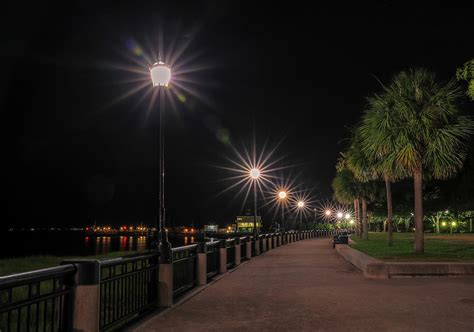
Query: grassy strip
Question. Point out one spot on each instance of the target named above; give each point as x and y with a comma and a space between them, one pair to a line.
30, 263
438, 247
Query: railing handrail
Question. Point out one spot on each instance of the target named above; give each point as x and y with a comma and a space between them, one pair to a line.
210, 243
183, 248
25, 277
121, 260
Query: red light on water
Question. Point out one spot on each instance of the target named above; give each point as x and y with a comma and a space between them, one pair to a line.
87, 238
87, 229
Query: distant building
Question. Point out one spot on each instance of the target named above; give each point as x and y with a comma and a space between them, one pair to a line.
210, 228
245, 223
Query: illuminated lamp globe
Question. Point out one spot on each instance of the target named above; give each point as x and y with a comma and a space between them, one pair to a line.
254, 173
339, 215
347, 216
328, 212
300, 204
282, 194
160, 74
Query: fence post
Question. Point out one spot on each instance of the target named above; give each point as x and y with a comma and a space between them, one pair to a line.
86, 295
270, 241
257, 245
222, 256
201, 264
165, 280
264, 243
248, 254
237, 251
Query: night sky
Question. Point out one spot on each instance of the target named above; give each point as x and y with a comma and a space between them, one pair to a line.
280, 72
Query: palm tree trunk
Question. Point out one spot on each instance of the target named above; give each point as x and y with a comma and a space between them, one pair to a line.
365, 229
388, 187
418, 187
356, 215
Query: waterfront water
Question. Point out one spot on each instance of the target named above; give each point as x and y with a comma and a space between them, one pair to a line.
74, 243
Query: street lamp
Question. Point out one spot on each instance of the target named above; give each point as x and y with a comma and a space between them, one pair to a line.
339, 215
453, 224
254, 174
160, 77
301, 206
282, 195
347, 216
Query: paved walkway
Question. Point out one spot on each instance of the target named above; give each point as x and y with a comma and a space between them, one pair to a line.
306, 286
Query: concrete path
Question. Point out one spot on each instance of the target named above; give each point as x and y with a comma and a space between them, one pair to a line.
306, 286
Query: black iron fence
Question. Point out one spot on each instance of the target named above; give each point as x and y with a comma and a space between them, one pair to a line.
128, 288
37, 301
212, 259
184, 268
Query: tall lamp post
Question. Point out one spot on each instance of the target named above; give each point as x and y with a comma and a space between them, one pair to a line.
254, 174
160, 77
282, 195
300, 207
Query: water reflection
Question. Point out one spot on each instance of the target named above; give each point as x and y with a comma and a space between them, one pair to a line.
78, 244
188, 240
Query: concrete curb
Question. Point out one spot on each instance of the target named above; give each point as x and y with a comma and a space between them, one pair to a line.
376, 269
371, 268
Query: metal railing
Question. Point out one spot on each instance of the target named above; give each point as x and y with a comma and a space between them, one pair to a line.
37, 301
230, 245
184, 268
128, 288
212, 259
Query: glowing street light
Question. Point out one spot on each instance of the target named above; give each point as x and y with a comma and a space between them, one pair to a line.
328, 212
282, 195
347, 216
160, 76
339, 215
300, 206
254, 175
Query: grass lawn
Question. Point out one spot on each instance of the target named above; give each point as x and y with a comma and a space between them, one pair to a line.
438, 247
31, 263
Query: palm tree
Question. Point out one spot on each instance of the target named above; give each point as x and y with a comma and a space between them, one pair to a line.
378, 122
427, 135
363, 172
346, 191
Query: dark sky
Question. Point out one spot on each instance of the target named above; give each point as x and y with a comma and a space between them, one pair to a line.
288, 72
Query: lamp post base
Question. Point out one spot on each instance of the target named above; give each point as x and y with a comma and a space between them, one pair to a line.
163, 246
